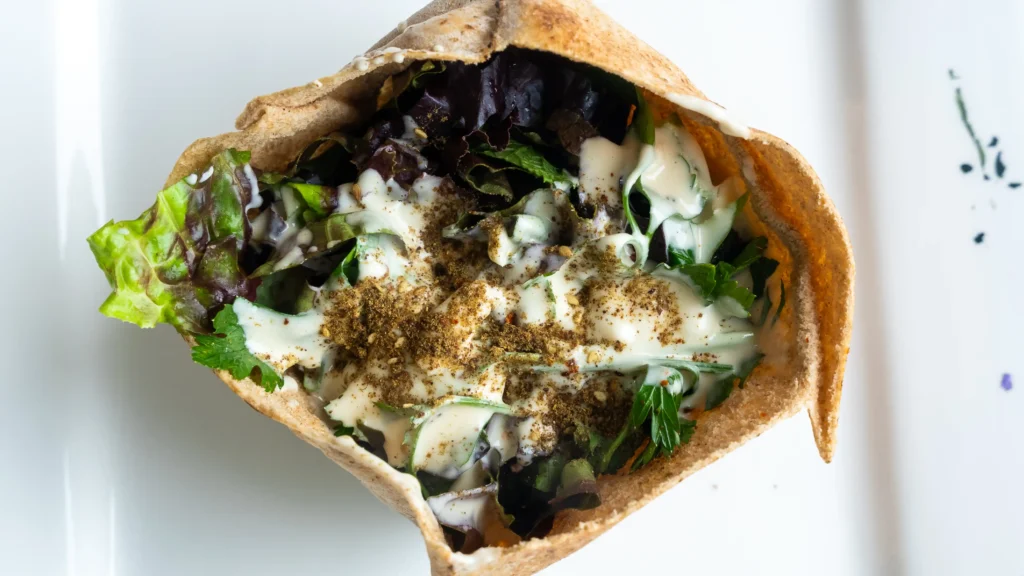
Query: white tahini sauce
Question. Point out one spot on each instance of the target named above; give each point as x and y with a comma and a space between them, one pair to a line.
282, 340
454, 424
713, 111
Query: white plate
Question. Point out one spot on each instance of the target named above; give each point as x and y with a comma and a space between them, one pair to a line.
119, 456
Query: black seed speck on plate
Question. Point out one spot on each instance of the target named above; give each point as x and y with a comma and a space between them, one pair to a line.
993, 142
987, 177
1000, 167
965, 168
1014, 185
979, 238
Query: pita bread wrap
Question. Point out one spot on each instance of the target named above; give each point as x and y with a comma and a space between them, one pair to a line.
808, 346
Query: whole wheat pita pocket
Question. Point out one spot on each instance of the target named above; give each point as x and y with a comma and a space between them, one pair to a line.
788, 205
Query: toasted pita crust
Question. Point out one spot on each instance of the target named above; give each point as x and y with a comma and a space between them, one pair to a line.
807, 348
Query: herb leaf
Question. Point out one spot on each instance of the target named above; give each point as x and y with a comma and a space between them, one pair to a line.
657, 404
726, 287
528, 159
225, 350
703, 276
677, 257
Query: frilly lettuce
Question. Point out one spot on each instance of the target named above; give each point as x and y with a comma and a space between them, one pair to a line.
180, 258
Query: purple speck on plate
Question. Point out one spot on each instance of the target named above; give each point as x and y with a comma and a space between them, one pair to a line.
1007, 382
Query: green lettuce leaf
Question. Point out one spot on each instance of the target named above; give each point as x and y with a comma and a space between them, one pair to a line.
179, 259
528, 159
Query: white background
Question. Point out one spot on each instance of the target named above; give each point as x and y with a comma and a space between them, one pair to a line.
119, 456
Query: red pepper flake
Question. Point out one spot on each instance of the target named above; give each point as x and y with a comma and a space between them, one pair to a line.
510, 317
573, 367
285, 321
664, 383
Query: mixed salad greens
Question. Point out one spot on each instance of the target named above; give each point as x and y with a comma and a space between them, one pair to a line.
514, 280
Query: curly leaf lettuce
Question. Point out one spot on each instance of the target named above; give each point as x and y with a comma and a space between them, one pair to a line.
180, 257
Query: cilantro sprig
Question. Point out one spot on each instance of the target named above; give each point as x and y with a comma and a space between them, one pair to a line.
225, 350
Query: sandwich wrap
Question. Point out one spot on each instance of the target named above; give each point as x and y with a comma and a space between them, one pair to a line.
807, 350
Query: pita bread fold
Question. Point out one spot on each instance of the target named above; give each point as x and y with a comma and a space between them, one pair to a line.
807, 348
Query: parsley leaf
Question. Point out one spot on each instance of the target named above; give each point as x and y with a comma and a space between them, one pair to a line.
663, 408
225, 350
715, 281
677, 257
726, 287
731, 289
703, 276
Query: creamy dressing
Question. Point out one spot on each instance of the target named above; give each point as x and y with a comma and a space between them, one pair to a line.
282, 340
256, 201
702, 237
357, 407
445, 442
676, 179
380, 256
467, 438
726, 123
603, 163
538, 224
386, 209
464, 510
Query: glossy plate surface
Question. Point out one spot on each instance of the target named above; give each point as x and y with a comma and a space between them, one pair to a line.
119, 456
